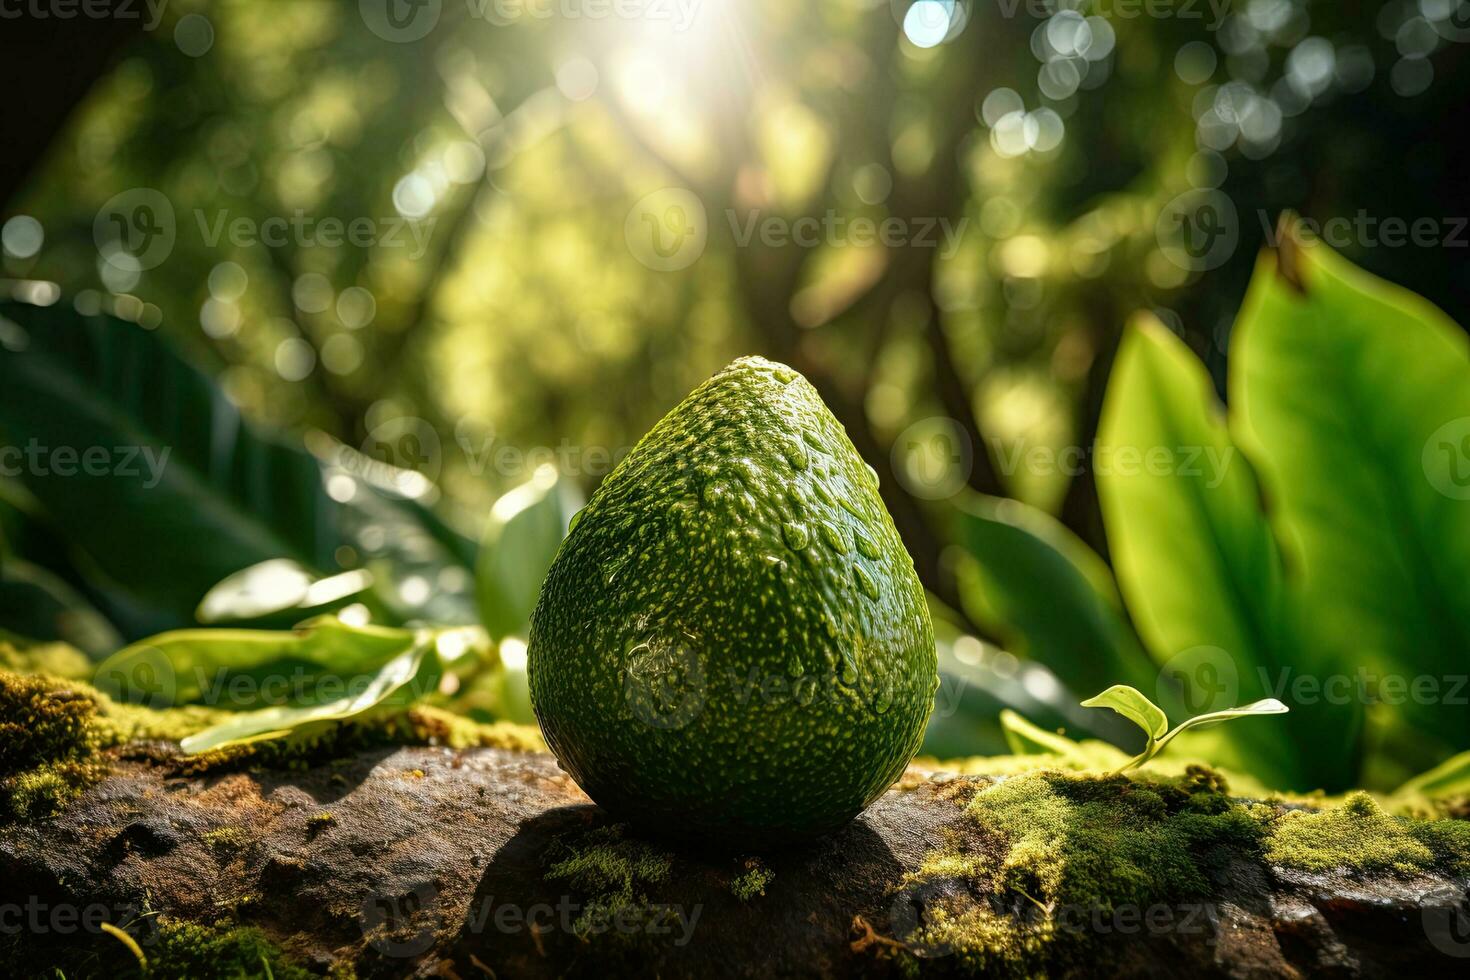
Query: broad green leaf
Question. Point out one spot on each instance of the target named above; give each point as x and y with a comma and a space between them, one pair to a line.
37, 604
1025, 738
405, 678
207, 665
276, 586
977, 681
525, 529
1449, 778
1135, 707
144, 462
1353, 398
1197, 561
1045, 594
387, 516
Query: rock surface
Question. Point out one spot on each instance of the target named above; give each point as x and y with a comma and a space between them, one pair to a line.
425, 861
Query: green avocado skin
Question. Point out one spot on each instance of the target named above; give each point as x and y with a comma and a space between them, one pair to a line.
732, 644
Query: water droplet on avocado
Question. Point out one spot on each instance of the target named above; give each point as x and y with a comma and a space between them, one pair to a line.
849, 674
866, 546
572, 524
785, 375
794, 667
814, 440
865, 582
834, 537
874, 474
882, 699
795, 453
796, 536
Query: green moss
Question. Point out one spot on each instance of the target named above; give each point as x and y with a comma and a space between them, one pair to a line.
189, 950
48, 741
55, 729
228, 838
1049, 850
613, 872
56, 659
752, 881
428, 725
1361, 836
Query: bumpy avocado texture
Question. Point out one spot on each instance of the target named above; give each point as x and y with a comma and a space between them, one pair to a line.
732, 644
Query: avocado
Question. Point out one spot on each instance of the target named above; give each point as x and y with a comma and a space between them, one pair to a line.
731, 644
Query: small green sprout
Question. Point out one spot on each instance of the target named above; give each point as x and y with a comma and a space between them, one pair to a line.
1131, 704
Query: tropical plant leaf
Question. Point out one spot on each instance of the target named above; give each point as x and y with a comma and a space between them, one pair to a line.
1197, 561
1025, 738
1450, 778
1131, 704
278, 586
525, 529
229, 668
405, 678
37, 604
424, 567
150, 469
1045, 594
1353, 397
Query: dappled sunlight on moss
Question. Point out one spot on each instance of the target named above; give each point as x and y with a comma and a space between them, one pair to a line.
1360, 836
